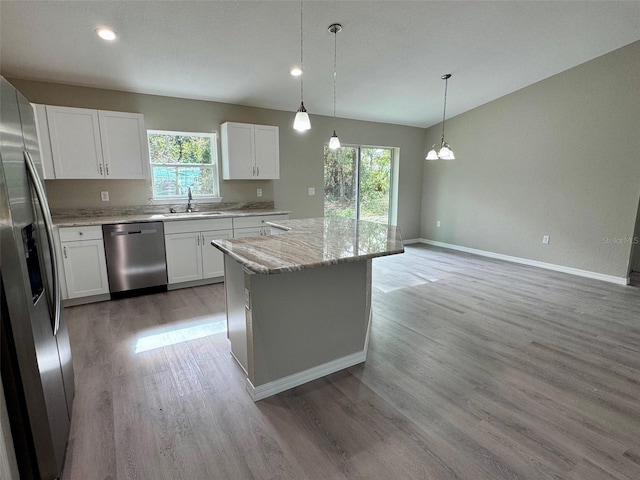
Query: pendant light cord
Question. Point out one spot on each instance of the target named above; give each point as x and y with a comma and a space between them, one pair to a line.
444, 110
335, 54
301, 57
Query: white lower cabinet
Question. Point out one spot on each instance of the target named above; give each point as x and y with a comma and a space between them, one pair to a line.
212, 258
83, 262
190, 255
184, 257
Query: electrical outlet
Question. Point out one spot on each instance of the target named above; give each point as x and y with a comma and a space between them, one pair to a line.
438, 223
104, 196
311, 191
259, 192
545, 239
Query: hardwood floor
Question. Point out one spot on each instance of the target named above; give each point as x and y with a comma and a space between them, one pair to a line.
477, 369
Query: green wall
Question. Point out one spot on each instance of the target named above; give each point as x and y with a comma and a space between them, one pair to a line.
301, 155
560, 157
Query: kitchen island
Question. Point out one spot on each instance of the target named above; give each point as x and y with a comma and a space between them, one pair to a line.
299, 303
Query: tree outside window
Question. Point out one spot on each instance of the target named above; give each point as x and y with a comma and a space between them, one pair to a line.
183, 160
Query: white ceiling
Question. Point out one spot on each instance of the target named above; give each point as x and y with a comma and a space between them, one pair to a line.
391, 54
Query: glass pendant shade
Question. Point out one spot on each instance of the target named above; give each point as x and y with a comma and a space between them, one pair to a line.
432, 155
302, 122
334, 141
446, 153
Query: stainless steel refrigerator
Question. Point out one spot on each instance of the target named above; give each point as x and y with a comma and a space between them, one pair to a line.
37, 373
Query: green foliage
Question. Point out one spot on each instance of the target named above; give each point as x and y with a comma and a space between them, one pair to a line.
340, 182
179, 149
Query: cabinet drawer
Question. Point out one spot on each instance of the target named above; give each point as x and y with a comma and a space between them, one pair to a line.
202, 225
70, 234
257, 221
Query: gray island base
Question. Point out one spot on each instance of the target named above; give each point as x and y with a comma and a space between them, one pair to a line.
299, 303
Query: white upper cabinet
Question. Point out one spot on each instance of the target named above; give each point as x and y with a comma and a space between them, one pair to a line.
75, 142
267, 149
92, 144
124, 145
250, 152
44, 142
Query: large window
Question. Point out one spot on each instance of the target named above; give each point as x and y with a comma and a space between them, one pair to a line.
183, 160
358, 183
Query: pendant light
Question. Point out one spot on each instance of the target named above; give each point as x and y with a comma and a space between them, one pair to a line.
334, 141
301, 122
445, 152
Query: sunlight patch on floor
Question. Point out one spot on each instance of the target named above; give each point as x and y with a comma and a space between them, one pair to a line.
180, 333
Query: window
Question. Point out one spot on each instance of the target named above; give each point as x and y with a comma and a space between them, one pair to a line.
183, 160
358, 183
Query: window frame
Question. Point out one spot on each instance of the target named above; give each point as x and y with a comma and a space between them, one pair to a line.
393, 178
170, 199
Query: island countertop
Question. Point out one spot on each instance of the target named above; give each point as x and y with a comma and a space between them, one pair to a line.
312, 243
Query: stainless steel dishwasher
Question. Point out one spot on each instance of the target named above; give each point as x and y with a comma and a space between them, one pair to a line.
135, 255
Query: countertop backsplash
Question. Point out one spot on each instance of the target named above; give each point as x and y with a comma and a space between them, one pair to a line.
157, 209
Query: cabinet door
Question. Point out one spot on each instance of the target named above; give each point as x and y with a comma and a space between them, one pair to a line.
212, 258
267, 149
44, 142
247, 232
75, 142
238, 151
184, 257
124, 145
85, 268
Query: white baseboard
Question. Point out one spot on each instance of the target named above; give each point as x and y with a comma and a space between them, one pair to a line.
533, 263
409, 241
195, 283
72, 302
285, 383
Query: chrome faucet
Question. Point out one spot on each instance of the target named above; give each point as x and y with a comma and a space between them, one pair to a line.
189, 208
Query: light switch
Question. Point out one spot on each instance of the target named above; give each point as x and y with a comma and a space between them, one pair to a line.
259, 192
311, 191
104, 196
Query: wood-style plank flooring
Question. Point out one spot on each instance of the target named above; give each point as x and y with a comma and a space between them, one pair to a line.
477, 369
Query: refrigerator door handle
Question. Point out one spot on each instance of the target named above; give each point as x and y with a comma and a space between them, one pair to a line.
46, 216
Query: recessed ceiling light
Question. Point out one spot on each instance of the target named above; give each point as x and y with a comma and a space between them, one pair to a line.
296, 71
106, 33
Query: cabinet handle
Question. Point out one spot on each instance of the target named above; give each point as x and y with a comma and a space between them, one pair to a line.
203, 240
198, 239
80, 233
107, 167
253, 171
100, 169
258, 170
64, 250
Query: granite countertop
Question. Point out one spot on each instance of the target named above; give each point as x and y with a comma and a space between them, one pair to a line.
312, 243
97, 218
